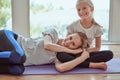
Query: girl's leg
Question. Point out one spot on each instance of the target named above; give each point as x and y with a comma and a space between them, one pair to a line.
11, 52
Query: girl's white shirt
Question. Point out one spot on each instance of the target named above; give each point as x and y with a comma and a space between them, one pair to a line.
92, 32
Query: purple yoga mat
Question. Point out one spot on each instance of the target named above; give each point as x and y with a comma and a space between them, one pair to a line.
113, 68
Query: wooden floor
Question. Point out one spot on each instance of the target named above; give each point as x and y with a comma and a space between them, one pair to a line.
114, 48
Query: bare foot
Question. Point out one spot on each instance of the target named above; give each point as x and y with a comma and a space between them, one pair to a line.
100, 65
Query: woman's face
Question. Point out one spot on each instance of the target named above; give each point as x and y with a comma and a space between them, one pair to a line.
84, 10
72, 41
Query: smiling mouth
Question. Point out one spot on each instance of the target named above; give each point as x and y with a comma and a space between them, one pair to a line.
84, 15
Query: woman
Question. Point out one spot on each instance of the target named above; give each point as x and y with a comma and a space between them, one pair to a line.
17, 51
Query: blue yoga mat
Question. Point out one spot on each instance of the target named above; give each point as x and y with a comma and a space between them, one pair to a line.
113, 68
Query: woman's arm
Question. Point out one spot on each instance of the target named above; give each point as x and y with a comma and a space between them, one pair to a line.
48, 45
62, 67
97, 45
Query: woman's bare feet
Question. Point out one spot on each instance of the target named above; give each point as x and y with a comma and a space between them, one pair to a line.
100, 65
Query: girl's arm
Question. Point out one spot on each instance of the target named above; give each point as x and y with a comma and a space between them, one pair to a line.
97, 45
48, 45
62, 67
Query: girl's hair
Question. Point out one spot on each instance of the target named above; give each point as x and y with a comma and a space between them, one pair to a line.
84, 39
90, 3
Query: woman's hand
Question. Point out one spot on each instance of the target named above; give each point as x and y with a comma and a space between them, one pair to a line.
85, 54
77, 51
66, 66
60, 42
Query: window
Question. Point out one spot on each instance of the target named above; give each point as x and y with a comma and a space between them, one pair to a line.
5, 14
101, 15
51, 13
60, 13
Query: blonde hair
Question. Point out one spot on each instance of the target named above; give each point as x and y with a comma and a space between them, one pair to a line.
84, 39
89, 2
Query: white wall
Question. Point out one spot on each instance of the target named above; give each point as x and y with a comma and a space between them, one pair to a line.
20, 17
115, 21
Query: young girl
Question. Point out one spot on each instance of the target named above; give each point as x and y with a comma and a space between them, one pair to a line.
92, 29
17, 51
87, 24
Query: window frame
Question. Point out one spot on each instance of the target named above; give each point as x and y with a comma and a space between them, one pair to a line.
114, 21
20, 17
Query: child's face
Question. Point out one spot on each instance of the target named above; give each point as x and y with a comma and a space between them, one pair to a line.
84, 10
72, 41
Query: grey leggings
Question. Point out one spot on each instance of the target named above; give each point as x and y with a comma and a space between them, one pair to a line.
99, 56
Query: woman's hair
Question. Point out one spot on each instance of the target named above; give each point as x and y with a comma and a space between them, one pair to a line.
84, 39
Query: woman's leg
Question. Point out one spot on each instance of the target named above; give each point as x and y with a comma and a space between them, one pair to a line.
65, 57
11, 52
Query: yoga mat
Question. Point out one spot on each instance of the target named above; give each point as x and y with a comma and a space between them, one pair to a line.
113, 68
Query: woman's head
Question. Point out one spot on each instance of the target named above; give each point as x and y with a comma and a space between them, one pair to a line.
85, 8
76, 40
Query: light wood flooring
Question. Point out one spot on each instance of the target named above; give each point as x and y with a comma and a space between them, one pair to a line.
114, 48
